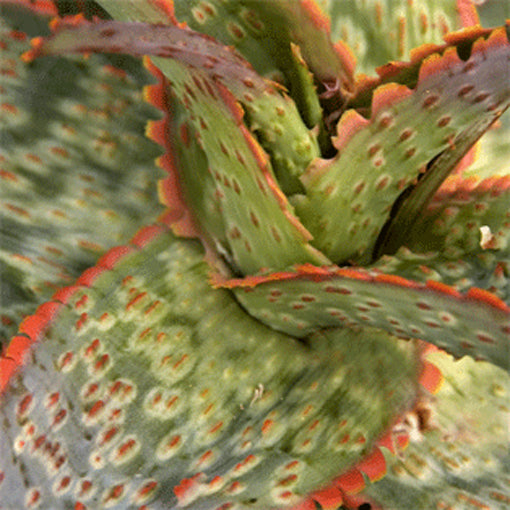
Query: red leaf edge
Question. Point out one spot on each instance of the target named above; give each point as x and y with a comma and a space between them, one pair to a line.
33, 327
41, 7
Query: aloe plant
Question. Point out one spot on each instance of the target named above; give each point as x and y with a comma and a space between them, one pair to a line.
272, 315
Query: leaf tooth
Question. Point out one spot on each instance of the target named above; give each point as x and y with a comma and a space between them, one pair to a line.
431, 377
114, 255
471, 32
373, 466
89, 276
497, 38
41, 7
13, 358
330, 497
30, 330
437, 63
484, 296
35, 325
147, 234
443, 288
350, 123
169, 189
388, 95
393, 279
64, 294
351, 482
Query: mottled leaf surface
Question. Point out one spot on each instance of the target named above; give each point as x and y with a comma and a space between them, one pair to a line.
349, 198
260, 229
462, 460
77, 174
455, 220
122, 363
264, 30
382, 31
475, 323
485, 269
142, 346
270, 114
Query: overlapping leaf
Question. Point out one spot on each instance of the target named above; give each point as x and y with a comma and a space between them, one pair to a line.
145, 322
297, 302
118, 366
350, 197
245, 24
271, 115
460, 458
257, 228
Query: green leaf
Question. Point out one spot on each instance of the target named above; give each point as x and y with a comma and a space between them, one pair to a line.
76, 173
408, 209
260, 230
459, 213
146, 376
298, 302
267, 46
100, 322
294, 27
487, 270
350, 198
491, 155
272, 116
461, 459
264, 31
383, 31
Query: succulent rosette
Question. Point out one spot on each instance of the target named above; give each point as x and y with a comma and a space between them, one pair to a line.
245, 244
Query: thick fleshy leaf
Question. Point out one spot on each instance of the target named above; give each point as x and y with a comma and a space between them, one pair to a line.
259, 229
459, 457
76, 172
271, 115
492, 152
465, 217
142, 383
349, 484
267, 44
350, 197
239, 25
297, 302
407, 211
383, 31
271, 50
487, 270
293, 44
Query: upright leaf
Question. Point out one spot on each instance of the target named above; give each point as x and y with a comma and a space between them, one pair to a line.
350, 198
258, 228
381, 31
